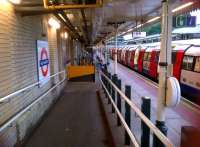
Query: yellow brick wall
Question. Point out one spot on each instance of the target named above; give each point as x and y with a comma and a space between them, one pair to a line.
18, 69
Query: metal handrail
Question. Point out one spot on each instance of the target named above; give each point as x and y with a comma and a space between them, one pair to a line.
152, 127
132, 137
7, 98
11, 120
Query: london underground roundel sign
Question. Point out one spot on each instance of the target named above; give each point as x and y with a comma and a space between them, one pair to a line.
43, 61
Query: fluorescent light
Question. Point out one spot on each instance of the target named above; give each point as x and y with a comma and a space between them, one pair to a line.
138, 26
62, 17
70, 16
153, 19
53, 23
182, 6
65, 35
15, 1
3, 1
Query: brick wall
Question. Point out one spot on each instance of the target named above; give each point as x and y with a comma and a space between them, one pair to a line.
18, 69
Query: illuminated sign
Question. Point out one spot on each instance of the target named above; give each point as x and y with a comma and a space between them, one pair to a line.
139, 34
43, 61
184, 21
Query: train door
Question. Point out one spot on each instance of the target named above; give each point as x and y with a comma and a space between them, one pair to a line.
140, 60
137, 51
118, 54
126, 56
153, 64
132, 59
129, 56
146, 61
177, 58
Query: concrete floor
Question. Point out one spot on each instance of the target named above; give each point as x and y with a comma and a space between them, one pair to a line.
76, 120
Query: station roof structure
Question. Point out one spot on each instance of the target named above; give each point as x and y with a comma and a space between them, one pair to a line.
94, 24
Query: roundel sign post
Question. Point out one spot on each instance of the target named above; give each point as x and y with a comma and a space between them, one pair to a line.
43, 61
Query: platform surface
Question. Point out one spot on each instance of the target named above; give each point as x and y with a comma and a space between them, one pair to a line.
76, 120
182, 115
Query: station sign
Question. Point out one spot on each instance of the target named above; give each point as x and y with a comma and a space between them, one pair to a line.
43, 61
184, 21
139, 34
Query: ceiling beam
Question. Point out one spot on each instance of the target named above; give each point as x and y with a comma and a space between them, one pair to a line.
67, 27
71, 27
85, 25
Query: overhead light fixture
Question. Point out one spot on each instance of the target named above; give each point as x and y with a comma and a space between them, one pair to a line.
62, 17
3, 1
138, 26
153, 19
53, 23
65, 35
15, 1
183, 6
70, 16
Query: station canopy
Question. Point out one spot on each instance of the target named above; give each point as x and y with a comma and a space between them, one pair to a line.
94, 24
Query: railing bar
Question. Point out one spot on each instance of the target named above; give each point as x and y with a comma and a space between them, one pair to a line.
6, 98
10, 121
132, 137
155, 130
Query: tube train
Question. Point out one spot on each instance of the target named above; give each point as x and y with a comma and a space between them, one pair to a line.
144, 58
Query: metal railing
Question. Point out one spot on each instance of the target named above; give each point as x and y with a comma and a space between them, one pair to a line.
8, 97
148, 122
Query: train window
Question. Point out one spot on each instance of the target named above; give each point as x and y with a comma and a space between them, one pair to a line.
146, 56
188, 63
197, 65
149, 57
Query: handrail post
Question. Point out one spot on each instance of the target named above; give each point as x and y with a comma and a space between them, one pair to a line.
163, 128
119, 85
114, 79
146, 110
127, 113
106, 84
109, 87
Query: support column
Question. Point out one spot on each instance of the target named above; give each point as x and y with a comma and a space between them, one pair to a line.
165, 60
115, 55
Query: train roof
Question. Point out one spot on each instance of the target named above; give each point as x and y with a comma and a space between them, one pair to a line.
176, 46
193, 51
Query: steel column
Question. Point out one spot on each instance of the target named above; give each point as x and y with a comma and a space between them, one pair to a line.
165, 60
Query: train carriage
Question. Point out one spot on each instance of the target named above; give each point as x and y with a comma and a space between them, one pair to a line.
119, 52
126, 56
190, 74
150, 61
131, 56
138, 60
123, 55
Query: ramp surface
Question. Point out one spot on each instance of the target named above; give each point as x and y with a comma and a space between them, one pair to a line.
76, 120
